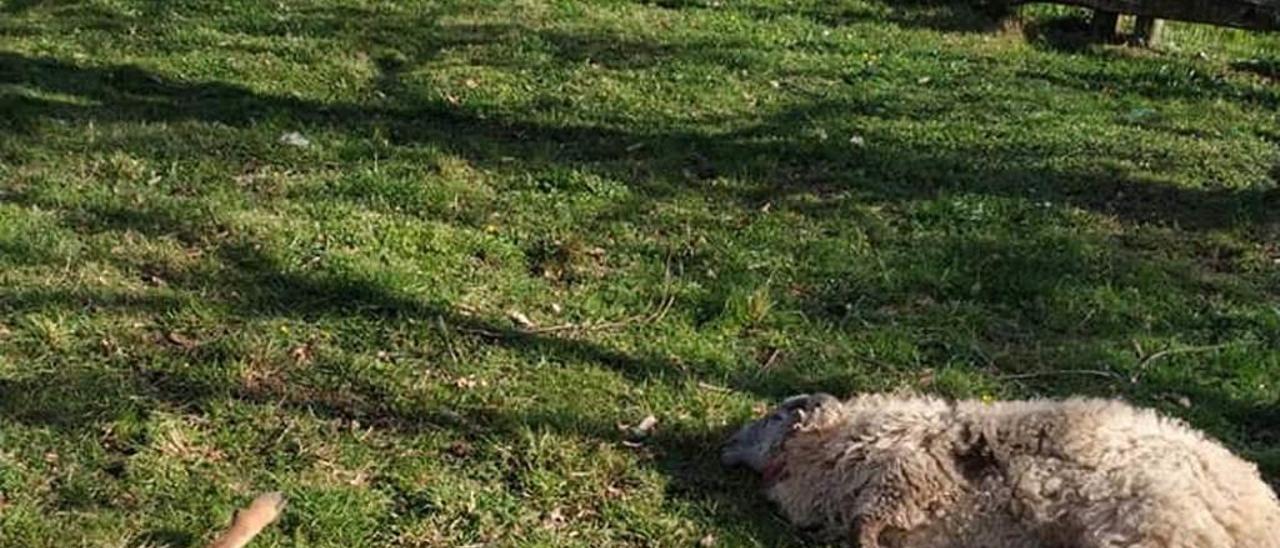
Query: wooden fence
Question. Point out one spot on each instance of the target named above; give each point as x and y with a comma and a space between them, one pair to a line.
1246, 14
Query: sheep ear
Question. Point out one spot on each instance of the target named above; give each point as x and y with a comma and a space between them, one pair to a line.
808, 402
819, 400
806, 406
796, 402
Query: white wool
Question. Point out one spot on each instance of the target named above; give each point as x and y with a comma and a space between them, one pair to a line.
915, 472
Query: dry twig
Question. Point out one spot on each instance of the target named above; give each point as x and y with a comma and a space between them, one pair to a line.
1145, 360
1061, 372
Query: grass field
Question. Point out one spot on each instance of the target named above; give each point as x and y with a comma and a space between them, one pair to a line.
508, 229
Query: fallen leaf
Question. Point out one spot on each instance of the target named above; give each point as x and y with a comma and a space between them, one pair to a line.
712, 387
471, 83
358, 479
301, 354
153, 280
460, 449
924, 80
108, 346
294, 139
554, 519
925, 379
647, 424
521, 320
469, 382
178, 339
639, 431
1141, 115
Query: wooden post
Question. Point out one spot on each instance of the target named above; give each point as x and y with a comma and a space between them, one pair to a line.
1149, 30
1104, 25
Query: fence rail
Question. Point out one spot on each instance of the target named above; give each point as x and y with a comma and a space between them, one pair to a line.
1248, 14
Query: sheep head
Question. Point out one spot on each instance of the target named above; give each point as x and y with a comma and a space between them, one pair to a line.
755, 444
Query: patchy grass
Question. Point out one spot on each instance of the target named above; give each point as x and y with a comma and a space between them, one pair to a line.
700, 207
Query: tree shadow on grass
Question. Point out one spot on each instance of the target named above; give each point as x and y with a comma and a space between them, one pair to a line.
1159, 83
18, 6
1063, 33
1265, 67
81, 399
951, 16
172, 538
659, 164
775, 156
943, 16
255, 285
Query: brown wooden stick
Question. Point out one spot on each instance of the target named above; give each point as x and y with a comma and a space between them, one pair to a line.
252, 520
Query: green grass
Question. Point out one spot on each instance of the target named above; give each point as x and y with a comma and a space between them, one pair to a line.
739, 199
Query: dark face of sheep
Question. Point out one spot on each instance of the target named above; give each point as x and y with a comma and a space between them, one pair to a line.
756, 443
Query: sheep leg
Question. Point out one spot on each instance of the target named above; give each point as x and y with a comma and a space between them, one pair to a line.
904, 485
867, 532
878, 505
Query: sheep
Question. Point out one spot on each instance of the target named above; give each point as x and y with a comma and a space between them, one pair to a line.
921, 472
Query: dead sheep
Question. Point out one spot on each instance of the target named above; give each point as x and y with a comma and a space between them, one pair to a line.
919, 472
